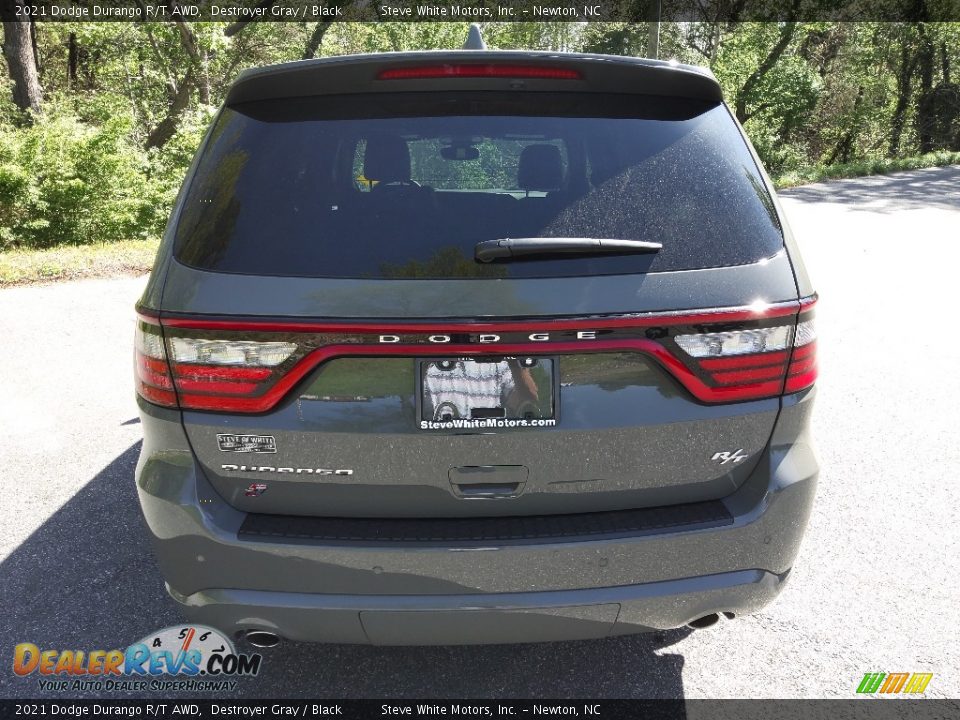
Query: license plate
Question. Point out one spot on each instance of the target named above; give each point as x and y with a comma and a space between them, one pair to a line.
487, 393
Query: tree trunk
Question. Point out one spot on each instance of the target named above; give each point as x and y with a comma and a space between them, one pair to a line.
22, 64
33, 46
904, 87
313, 44
786, 35
945, 63
167, 127
925, 121
844, 148
73, 59
189, 42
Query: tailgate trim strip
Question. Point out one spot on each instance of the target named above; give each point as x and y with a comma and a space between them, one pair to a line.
695, 316
484, 531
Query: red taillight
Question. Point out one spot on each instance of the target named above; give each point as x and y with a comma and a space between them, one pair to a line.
802, 372
753, 363
532, 72
200, 373
225, 374
209, 373
150, 361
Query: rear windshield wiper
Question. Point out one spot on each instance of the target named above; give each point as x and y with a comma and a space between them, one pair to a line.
507, 248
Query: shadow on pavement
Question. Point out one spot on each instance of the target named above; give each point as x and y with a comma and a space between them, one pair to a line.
86, 580
930, 188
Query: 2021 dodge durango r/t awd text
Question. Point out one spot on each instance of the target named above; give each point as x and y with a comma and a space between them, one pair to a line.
475, 347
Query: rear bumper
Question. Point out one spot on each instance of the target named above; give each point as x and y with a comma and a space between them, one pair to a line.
482, 619
509, 592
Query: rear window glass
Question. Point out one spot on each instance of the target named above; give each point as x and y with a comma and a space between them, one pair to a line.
405, 185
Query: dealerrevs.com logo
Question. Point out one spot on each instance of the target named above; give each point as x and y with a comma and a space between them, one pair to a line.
189, 658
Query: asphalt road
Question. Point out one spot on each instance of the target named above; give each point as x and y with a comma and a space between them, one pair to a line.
875, 587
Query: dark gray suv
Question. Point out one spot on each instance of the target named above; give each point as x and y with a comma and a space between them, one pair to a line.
475, 347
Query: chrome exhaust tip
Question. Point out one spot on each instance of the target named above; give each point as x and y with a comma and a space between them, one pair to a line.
261, 638
701, 623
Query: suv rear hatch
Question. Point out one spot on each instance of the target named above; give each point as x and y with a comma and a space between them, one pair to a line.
338, 349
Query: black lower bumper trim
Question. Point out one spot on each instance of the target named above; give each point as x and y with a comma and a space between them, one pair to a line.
472, 532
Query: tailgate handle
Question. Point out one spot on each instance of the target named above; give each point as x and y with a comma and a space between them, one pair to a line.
488, 481
491, 490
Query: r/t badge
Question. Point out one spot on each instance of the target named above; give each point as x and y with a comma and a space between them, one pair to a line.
725, 457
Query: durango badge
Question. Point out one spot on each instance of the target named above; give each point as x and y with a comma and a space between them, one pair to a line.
294, 470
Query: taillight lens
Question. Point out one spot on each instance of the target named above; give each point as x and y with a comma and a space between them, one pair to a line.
754, 363
203, 373
229, 352
150, 359
802, 372
214, 374
741, 342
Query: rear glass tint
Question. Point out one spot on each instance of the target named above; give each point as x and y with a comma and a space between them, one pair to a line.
405, 185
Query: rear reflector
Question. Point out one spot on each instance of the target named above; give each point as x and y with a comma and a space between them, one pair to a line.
478, 71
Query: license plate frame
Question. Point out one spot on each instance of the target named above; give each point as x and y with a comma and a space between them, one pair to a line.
524, 374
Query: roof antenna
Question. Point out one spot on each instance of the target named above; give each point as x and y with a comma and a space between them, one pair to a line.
474, 39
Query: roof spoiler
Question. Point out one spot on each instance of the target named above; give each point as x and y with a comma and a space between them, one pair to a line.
350, 74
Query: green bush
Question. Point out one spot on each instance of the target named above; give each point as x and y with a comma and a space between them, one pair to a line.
879, 166
66, 182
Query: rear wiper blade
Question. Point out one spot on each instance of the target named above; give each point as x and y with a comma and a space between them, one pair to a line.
506, 248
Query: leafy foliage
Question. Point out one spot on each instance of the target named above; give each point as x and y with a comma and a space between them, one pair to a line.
126, 104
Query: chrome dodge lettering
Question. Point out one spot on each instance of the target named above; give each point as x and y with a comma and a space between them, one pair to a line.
481, 338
